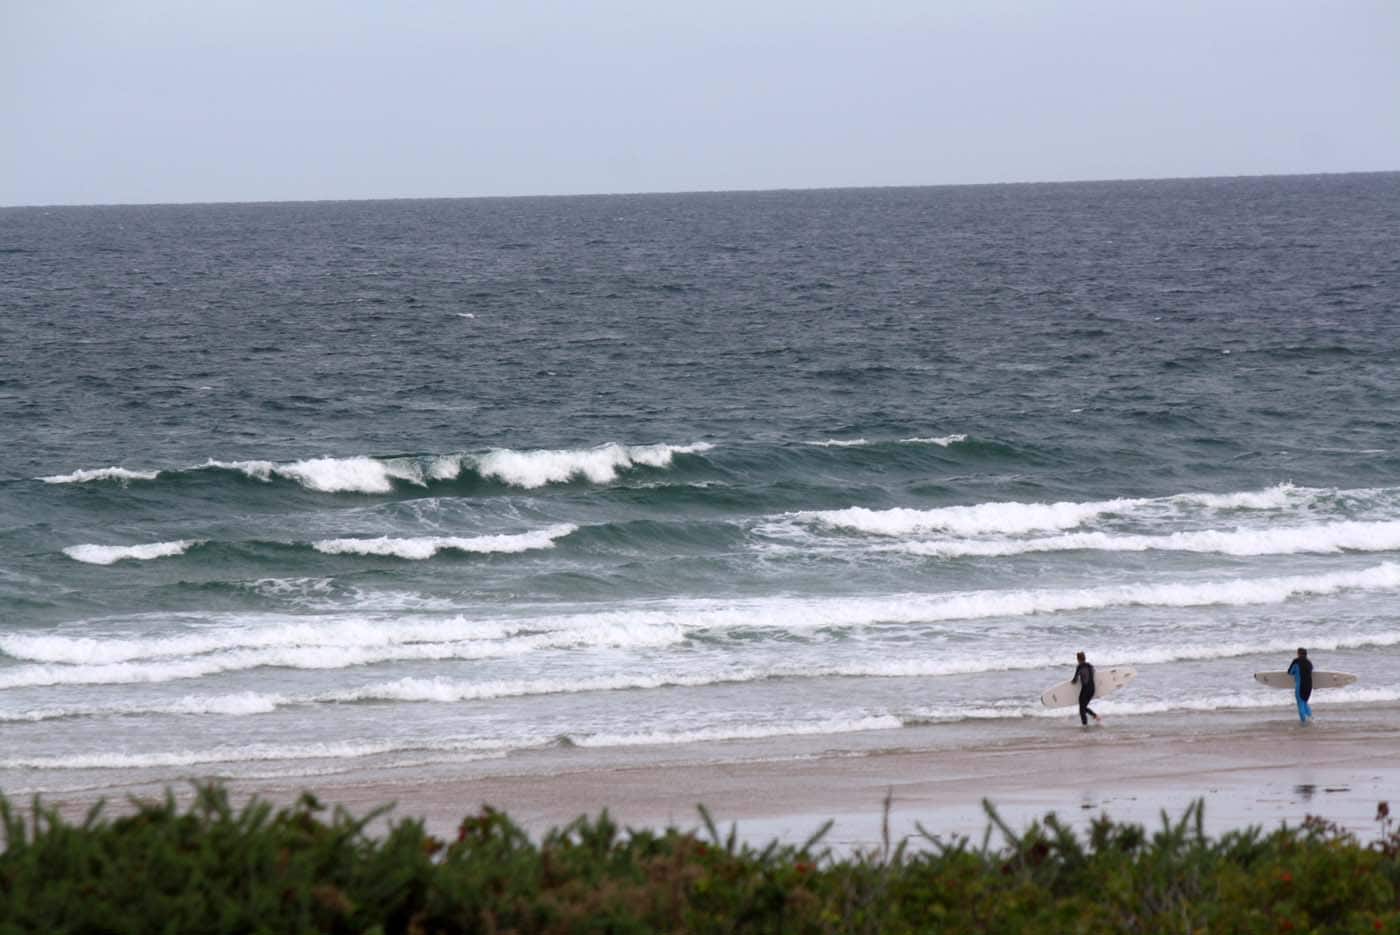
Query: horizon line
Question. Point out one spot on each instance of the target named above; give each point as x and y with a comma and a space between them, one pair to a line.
697, 191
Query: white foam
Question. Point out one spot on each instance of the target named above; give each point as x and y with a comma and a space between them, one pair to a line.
1236, 592
112, 473
1278, 497
943, 440
972, 520
1117, 707
976, 661
333, 656
424, 547
333, 475
841, 443
1320, 539
229, 754
445, 467
452, 690
353, 641
601, 465
253, 633
742, 732
1259, 698
241, 704
807, 614
108, 554
327, 594
1018, 518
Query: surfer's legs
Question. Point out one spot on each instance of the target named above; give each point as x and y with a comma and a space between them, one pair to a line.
1085, 712
1304, 709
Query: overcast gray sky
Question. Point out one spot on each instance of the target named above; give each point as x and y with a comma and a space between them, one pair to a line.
110, 101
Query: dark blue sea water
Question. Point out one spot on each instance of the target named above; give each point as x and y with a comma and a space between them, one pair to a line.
293, 489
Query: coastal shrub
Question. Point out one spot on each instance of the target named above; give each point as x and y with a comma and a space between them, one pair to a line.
213, 867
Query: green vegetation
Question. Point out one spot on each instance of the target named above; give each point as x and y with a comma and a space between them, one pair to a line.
212, 867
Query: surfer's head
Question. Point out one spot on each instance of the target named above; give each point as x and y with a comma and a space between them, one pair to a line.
1079, 657
1302, 652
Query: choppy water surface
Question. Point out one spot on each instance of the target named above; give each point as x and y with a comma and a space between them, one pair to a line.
297, 489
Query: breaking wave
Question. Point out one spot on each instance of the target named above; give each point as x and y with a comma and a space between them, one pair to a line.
86, 476
425, 547
110, 554
364, 474
1012, 518
1322, 539
530, 469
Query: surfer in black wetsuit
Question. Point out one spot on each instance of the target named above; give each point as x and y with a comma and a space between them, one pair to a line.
1301, 670
1084, 677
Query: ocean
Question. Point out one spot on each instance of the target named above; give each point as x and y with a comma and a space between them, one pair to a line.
347, 489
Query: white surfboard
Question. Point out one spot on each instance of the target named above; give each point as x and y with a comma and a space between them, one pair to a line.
1106, 682
1319, 679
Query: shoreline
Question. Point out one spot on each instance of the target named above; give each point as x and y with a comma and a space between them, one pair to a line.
1250, 769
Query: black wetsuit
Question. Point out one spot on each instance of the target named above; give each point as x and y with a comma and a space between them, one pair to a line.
1301, 670
1084, 675
1302, 667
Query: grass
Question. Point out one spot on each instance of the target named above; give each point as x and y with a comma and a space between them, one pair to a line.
214, 867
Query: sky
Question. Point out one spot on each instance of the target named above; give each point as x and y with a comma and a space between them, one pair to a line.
139, 101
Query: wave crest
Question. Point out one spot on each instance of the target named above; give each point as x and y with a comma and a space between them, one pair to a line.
110, 554
332, 475
531, 469
1015, 517
88, 475
1321, 539
425, 547
375, 475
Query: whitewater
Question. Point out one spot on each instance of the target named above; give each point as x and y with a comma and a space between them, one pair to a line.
530, 483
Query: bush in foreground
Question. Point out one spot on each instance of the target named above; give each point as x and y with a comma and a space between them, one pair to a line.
215, 868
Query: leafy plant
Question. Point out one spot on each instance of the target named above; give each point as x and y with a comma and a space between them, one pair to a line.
213, 867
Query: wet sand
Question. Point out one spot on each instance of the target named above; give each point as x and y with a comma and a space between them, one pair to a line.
1249, 768
1246, 778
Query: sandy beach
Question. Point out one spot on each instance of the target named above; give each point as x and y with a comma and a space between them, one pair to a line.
1250, 768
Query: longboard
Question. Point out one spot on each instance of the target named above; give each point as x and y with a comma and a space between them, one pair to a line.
1106, 682
1319, 679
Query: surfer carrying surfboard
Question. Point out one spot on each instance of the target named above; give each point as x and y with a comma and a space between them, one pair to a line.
1301, 670
1084, 677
